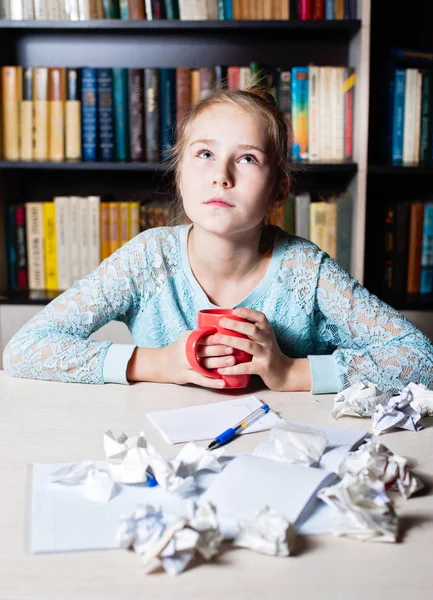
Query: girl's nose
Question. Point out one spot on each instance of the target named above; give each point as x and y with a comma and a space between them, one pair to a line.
223, 178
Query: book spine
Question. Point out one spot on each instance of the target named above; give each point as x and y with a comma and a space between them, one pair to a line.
157, 10
344, 230
26, 116
40, 95
221, 77
305, 10
337, 114
11, 246
83, 10
113, 227
318, 10
105, 115
73, 10
50, 252
35, 245
94, 235
425, 147
121, 125
195, 86
285, 10
302, 215
222, 15
63, 242
313, 114
329, 10
349, 107
53, 10
136, 114
134, 219
111, 9
300, 113
40, 9
426, 279
331, 233
123, 223
233, 76
11, 85
73, 116
95, 9
136, 10
417, 121
183, 95
28, 10
21, 270
168, 109
171, 9
84, 236
152, 117
319, 224
409, 116
74, 215
89, 113
207, 81
398, 110
56, 112
16, 10
104, 228
124, 9
415, 247
339, 9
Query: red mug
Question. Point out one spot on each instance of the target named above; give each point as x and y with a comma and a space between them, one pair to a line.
208, 324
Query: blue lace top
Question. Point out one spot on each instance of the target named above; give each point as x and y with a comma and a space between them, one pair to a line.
315, 308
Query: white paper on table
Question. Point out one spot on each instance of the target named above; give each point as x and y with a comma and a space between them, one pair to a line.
249, 483
206, 421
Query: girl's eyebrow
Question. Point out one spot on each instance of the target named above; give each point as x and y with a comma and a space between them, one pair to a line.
243, 146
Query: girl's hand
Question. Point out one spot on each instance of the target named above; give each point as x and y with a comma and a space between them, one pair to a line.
278, 371
211, 355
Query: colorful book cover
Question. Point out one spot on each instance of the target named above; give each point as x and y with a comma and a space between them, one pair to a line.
300, 113
50, 252
105, 115
89, 113
426, 281
168, 110
398, 115
121, 125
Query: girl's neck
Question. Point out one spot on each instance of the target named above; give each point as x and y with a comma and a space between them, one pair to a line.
214, 257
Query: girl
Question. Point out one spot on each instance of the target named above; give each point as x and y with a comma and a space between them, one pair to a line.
309, 325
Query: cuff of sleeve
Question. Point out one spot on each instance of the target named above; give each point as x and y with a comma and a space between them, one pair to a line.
116, 362
324, 376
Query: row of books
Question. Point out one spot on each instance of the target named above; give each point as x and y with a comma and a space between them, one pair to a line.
411, 116
184, 10
89, 114
51, 245
408, 244
326, 220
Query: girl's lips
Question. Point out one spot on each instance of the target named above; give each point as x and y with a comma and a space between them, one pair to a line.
219, 203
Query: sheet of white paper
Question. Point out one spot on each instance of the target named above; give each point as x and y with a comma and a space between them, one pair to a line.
63, 519
249, 483
205, 422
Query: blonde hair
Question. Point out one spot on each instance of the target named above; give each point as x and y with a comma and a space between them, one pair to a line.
256, 101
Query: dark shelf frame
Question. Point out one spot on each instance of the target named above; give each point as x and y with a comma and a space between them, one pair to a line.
344, 26
300, 168
400, 169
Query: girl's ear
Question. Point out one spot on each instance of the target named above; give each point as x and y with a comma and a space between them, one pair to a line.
282, 193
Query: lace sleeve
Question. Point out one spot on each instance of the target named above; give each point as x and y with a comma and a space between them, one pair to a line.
53, 345
373, 341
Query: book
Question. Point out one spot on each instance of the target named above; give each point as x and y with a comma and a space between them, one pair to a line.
136, 114
89, 113
105, 114
415, 247
426, 129
398, 111
123, 208
337, 75
41, 113
63, 242
410, 109
26, 115
104, 227
426, 277
11, 86
313, 114
134, 219
93, 236
75, 237
50, 251
113, 222
152, 116
35, 245
183, 95
319, 224
136, 10
73, 116
300, 113
56, 112
168, 110
121, 124
111, 9
124, 9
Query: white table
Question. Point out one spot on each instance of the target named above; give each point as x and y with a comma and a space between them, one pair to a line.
49, 422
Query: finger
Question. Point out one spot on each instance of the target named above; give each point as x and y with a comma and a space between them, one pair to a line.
216, 363
207, 340
249, 329
240, 369
239, 343
254, 316
205, 351
208, 382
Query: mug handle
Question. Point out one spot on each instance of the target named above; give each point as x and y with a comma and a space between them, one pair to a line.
191, 348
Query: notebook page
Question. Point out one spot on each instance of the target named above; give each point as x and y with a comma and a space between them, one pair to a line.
205, 422
249, 483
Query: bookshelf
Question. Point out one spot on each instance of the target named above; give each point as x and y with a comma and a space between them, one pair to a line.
407, 27
141, 44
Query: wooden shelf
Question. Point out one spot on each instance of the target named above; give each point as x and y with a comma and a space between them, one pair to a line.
300, 168
348, 27
27, 297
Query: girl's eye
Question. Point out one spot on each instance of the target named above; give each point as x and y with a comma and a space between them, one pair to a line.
250, 159
204, 154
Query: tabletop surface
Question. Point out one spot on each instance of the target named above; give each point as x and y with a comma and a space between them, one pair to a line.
51, 422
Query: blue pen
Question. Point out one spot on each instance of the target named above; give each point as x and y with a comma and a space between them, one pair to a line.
229, 434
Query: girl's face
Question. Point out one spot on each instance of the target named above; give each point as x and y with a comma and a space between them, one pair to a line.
226, 176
